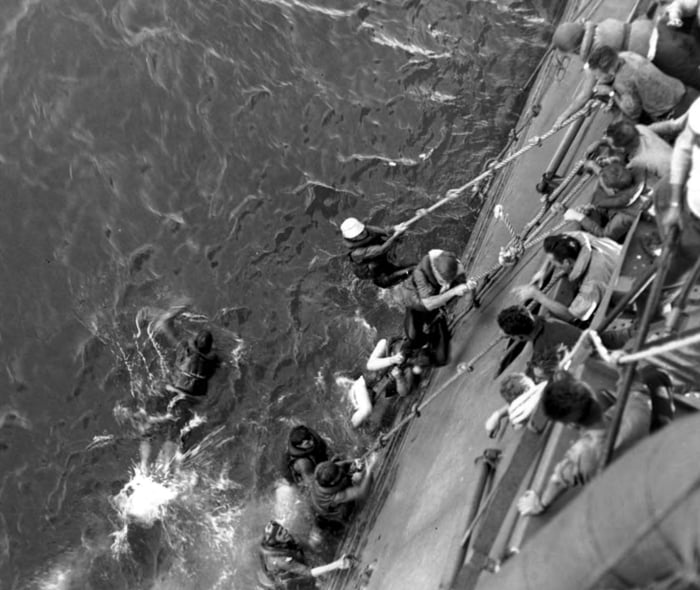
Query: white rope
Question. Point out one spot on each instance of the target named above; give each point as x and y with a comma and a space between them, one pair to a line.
454, 193
653, 351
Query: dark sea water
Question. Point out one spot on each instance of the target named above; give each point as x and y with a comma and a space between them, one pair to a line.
154, 152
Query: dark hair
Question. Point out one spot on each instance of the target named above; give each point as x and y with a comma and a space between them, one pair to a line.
203, 341
516, 320
616, 176
328, 474
447, 264
603, 58
623, 134
562, 247
566, 399
299, 434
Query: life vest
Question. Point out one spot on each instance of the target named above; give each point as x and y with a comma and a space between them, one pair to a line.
316, 454
371, 267
322, 500
275, 577
194, 370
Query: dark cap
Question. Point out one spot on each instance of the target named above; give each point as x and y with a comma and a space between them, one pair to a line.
299, 434
328, 474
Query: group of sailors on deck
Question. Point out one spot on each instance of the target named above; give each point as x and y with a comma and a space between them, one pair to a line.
647, 163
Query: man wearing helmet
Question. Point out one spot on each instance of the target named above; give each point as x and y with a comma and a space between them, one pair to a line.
369, 251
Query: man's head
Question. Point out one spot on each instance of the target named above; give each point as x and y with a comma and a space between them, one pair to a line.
328, 474
276, 535
516, 321
615, 176
623, 134
514, 385
447, 267
563, 250
603, 61
301, 438
203, 341
566, 399
352, 229
568, 37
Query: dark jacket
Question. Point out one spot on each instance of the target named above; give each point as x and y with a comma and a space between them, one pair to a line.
368, 258
194, 369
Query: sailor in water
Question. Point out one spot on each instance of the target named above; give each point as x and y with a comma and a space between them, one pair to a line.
305, 450
283, 564
370, 252
336, 490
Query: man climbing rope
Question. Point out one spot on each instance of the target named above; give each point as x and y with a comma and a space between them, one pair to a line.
370, 252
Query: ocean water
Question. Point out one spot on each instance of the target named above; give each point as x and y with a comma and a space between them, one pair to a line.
203, 152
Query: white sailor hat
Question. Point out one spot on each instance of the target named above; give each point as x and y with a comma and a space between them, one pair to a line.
351, 228
694, 117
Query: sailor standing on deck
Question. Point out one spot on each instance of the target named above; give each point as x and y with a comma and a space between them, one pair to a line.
369, 251
678, 201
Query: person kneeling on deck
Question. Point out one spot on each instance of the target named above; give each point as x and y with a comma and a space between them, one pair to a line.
438, 279
305, 450
620, 196
640, 147
551, 339
283, 564
572, 402
335, 491
588, 262
369, 251
637, 87
391, 369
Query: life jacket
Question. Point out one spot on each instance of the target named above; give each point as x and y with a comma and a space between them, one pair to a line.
274, 577
316, 454
322, 500
371, 267
194, 370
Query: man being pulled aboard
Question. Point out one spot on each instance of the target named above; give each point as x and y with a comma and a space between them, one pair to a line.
370, 252
283, 564
392, 368
336, 489
572, 402
305, 450
586, 261
438, 278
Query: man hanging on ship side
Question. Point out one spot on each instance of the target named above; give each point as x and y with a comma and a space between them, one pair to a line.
370, 251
